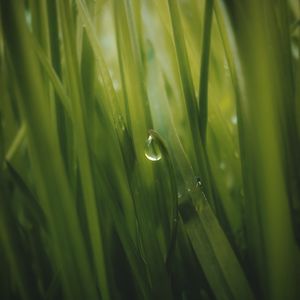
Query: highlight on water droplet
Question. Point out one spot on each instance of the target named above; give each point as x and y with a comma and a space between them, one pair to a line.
152, 151
198, 182
193, 184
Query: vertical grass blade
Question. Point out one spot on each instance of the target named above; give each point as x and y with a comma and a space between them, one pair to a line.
53, 187
259, 94
204, 68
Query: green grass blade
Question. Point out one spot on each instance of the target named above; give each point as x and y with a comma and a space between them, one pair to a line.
260, 130
44, 148
79, 111
60, 90
204, 68
190, 98
219, 263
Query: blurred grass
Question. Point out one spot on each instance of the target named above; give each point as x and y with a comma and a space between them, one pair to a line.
149, 149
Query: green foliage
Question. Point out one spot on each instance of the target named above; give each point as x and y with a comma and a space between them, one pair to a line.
149, 149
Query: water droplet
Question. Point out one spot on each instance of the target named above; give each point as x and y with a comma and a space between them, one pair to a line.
193, 184
198, 182
152, 151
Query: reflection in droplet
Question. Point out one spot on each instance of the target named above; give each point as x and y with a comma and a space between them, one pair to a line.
152, 151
